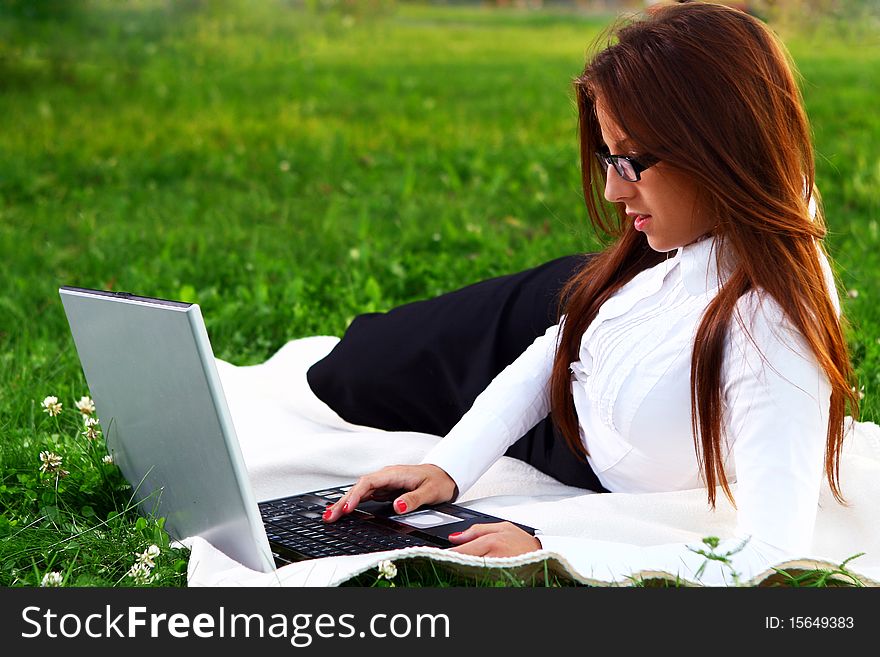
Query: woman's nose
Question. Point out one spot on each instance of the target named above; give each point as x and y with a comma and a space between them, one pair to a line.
616, 188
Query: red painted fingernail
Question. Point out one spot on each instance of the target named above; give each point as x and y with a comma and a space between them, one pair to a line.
401, 506
454, 534
327, 514
345, 508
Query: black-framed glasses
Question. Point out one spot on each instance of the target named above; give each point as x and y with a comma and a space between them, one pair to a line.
628, 168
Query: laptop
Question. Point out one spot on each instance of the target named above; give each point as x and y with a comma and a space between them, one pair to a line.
152, 375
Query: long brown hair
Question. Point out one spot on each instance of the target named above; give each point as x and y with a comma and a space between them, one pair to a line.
710, 91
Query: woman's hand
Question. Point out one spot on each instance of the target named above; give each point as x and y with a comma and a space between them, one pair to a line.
423, 484
494, 539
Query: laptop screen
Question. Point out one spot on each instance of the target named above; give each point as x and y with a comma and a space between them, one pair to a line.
151, 371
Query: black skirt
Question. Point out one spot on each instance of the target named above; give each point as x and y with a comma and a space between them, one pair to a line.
419, 367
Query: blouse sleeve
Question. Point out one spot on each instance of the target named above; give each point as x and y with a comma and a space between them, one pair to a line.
777, 400
514, 402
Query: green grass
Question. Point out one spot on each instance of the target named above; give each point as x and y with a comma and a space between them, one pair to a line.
288, 169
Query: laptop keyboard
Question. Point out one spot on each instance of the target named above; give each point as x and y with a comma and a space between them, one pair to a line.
296, 523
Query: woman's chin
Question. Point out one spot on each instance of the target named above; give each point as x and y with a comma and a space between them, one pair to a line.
660, 245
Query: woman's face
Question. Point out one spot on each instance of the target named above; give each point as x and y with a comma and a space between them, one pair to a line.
663, 204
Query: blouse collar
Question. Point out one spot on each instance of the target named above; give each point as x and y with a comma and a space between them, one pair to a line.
699, 268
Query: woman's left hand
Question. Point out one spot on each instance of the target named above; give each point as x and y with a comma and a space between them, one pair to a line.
494, 539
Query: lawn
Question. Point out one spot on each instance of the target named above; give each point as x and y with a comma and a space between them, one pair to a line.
289, 168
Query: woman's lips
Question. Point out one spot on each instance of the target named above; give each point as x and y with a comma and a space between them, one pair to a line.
640, 220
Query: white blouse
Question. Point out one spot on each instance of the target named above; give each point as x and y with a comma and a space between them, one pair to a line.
631, 389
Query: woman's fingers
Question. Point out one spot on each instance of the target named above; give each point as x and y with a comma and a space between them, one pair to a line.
476, 531
494, 539
364, 489
432, 485
422, 484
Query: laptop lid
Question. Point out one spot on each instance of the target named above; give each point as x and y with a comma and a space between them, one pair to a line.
151, 371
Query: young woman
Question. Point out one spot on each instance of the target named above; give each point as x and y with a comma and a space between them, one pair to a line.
702, 347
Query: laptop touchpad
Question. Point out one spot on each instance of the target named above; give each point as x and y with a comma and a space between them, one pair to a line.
426, 519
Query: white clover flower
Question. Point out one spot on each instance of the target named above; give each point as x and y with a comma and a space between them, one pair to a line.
284, 165
853, 294
107, 460
147, 556
51, 464
51, 460
85, 405
53, 579
387, 569
141, 573
52, 406
91, 426
142, 570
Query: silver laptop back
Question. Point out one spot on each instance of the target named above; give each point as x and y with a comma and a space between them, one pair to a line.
152, 375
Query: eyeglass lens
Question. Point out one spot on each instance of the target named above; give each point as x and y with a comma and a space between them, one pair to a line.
622, 166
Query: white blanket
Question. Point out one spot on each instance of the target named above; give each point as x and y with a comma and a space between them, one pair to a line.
292, 442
